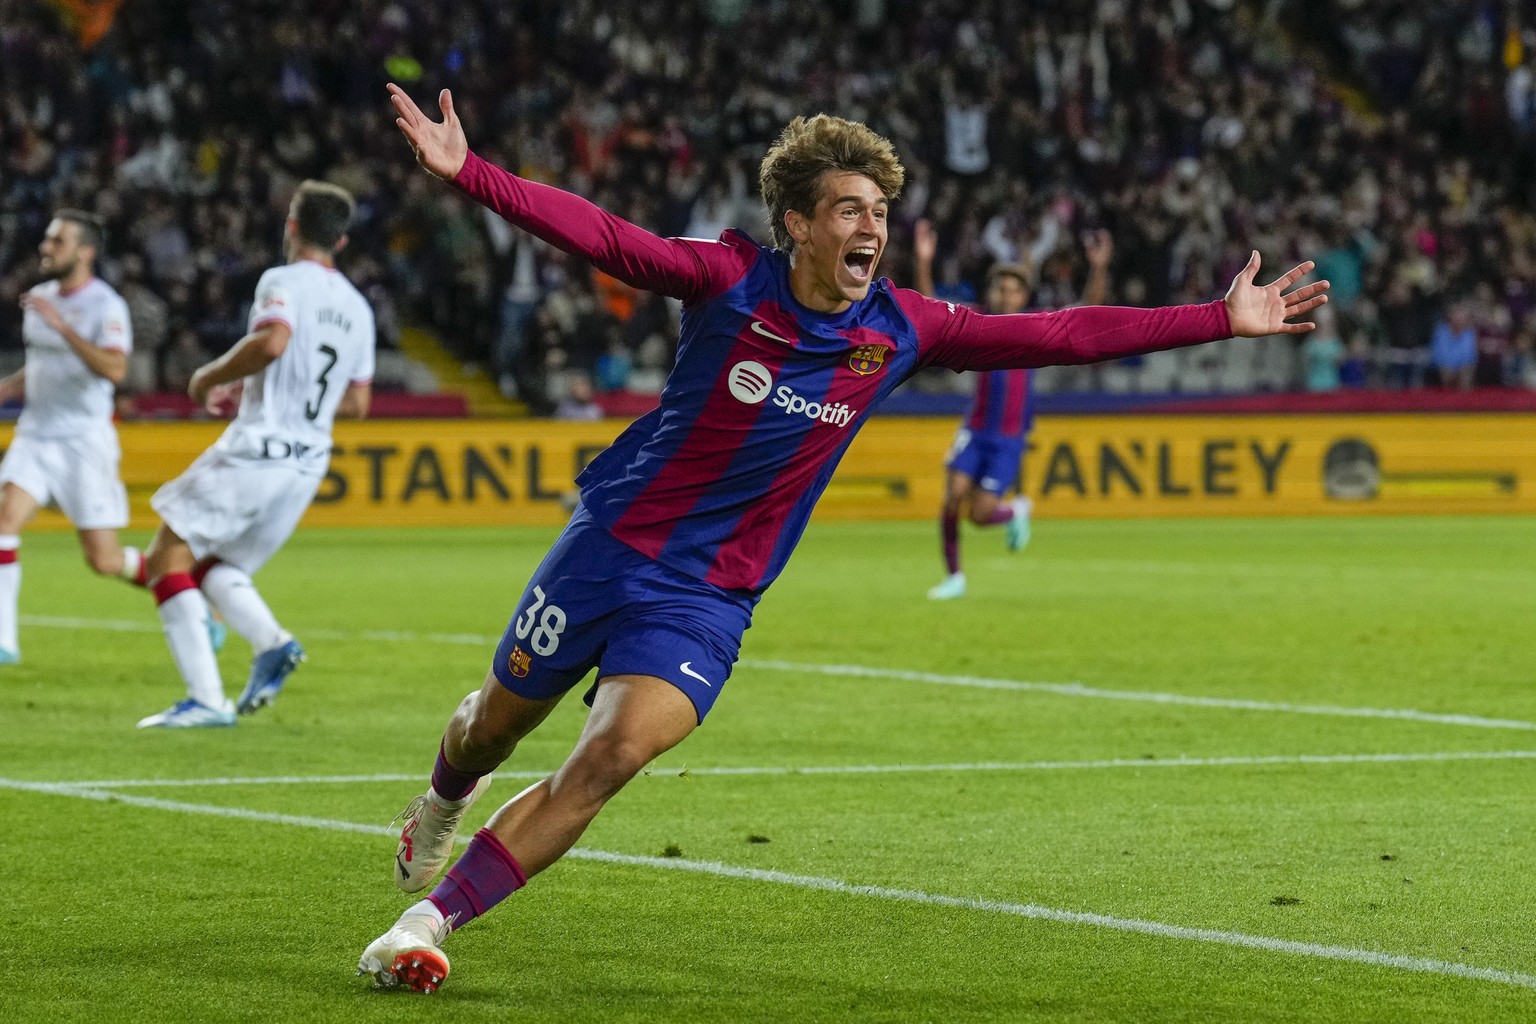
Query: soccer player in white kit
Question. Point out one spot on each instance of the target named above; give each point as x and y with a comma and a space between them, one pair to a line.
307, 358
65, 450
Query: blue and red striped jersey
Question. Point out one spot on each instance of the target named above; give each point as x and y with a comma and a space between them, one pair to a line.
718, 482
1002, 406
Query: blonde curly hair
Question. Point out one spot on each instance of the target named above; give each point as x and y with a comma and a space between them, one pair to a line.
791, 174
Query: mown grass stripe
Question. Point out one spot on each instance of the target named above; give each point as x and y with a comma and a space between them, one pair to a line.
902, 675
857, 769
1156, 929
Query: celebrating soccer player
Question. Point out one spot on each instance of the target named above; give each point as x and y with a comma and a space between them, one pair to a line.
983, 463
692, 513
78, 337
307, 358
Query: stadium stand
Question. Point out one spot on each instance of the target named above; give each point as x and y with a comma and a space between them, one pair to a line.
187, 125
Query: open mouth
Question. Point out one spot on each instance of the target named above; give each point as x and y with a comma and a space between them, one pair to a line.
860, 262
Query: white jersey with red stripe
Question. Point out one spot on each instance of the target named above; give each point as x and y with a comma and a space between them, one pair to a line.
63, 397
287, 410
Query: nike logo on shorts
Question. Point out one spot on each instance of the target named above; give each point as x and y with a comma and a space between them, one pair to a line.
685, 670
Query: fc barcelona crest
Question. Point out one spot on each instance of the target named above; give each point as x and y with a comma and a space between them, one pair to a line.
866, 359
519, 662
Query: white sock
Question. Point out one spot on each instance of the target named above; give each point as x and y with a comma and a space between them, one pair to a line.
10, 595
427, 908
184, 618
133, 561
237, 598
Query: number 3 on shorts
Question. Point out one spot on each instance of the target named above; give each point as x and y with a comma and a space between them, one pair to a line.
546, 639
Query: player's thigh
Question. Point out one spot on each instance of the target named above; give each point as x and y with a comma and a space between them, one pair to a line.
88, 488
25, 480
998, 466
635, 718
240, 511
683, 631
983, 506
283, 493
562, 620
965, 454
17, 507
596, 602
201, 506
957, 488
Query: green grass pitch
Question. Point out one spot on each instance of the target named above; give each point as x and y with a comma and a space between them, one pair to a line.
1184, 730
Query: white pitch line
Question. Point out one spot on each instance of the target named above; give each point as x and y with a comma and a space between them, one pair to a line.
872, 672
1524, 580
383, 635
852, 769
1079, 690
1156, 929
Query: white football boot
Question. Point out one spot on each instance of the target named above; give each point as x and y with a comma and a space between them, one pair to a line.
189, 714
952, 587
426, 841
409, 954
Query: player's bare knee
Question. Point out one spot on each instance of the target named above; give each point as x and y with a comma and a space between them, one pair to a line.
981, 514
603, 765
484, 736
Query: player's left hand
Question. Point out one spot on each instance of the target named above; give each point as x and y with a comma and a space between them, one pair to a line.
45, 309
440, 147
1255, 311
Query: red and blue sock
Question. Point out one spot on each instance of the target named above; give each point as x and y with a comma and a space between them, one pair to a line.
482, 878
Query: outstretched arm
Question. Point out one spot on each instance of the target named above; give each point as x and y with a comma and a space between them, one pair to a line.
687, 269
960, 339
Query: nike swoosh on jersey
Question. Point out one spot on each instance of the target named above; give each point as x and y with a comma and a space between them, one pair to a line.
757, 325
685, 670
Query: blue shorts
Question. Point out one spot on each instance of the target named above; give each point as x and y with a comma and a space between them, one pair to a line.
992, 460
596, 602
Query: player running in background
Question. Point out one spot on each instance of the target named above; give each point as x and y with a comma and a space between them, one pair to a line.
65, 450
984, 461
693, 511
306, 359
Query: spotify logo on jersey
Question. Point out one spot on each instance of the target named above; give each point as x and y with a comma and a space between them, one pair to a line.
749, 381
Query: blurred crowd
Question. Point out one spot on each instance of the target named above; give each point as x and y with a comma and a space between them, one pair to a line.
1391, 141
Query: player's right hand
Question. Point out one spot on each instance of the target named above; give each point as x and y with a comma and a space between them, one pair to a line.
45, 309
439, 147
224, 399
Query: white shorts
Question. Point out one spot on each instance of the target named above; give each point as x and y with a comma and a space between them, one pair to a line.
237, 510
78, 474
